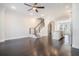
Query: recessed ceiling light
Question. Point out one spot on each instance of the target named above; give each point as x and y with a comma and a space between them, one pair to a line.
13, 7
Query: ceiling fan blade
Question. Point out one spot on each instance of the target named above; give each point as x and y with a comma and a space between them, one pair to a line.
27, 5
40, 7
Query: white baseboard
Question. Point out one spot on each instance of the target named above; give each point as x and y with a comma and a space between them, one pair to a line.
75, 46
3, 40
12, 38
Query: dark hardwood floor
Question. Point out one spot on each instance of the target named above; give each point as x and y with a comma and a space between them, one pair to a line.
75, 52
29, 47
16, 47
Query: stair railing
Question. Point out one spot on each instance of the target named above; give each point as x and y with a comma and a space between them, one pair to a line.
38, 27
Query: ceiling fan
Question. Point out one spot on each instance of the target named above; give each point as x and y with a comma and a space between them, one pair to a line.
34, 7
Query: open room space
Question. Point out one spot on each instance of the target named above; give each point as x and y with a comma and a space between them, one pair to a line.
39, 29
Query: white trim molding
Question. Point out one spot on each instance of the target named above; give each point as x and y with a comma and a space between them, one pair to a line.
3, 40
12, 38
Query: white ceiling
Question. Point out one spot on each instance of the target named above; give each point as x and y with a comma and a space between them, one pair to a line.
51, 9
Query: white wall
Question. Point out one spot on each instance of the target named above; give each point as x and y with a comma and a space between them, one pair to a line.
16, 24
13, 25
75, 25
2, 27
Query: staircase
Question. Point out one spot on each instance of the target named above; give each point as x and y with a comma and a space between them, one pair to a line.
37, 28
